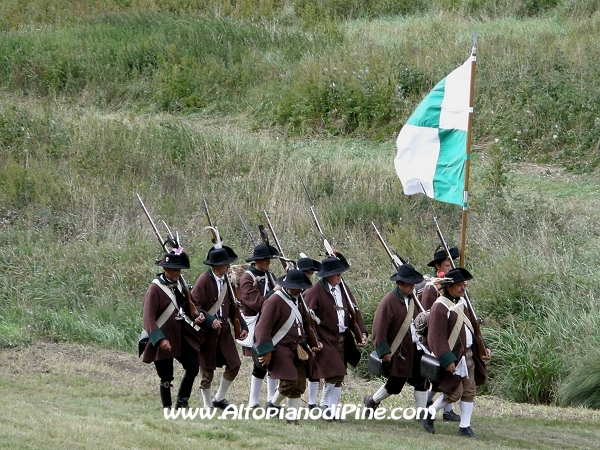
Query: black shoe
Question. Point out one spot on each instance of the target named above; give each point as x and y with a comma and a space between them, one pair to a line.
428, 425
451, 416
468, 432
271, 405
328, 415
181, 403
369, 402
312, 406
272, 410
254, 406
221, 404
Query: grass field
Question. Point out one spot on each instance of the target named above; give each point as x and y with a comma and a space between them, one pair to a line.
58, 396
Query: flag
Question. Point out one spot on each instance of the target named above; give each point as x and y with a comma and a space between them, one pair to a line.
432, 144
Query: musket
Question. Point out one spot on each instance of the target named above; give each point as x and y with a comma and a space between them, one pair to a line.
285, 262
310, 318
265, 238
217, 241
184, 285
330, 252
481, 347
397, 261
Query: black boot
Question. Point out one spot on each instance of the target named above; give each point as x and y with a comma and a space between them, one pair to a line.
165, 393
428, 422
428, 425
185, 390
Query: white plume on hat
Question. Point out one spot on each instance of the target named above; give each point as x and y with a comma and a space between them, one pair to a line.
218, 242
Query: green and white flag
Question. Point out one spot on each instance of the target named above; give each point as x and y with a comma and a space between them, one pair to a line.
432, 144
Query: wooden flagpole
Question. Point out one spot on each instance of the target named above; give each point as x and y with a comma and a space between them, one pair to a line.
463, 237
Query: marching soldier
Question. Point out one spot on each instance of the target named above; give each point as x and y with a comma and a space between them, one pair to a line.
309, 266
212, 294
282, 339
170, 336
255, 287
395, 339
441, 264
340, 330
451, 339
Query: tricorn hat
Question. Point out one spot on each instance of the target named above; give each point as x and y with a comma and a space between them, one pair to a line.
441, 255
174, 260
457, 275
407, 274
220, 256
294, 279
307, 264
263, 251
333, 265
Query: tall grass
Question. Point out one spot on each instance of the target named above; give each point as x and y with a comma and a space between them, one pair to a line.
357, 77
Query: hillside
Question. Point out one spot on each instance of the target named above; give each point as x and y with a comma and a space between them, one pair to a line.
186, 100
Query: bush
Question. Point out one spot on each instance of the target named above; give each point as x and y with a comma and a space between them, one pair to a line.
581, 387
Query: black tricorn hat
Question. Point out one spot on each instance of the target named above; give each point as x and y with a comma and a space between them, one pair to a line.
294, 279
263, 251
441, 255
407, 274
220, 256
174, 261
333, 265
307, 264
457, 275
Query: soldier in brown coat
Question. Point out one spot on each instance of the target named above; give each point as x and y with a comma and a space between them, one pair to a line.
341, 329
464, 368
164, 302
394, 316
282, 339
255, 287
441, 264
211, 293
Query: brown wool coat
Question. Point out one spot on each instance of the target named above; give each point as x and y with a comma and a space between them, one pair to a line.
252, 298
219, 347
439, 329
275, 312
389, 316
154, 303
328, 362
429, 296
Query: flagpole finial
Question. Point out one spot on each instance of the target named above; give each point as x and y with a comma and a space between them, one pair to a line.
475, 36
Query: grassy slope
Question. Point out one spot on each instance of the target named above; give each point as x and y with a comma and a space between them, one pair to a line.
81, 397
81, 199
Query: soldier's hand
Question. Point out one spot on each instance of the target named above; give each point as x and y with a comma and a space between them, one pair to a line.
164, 345
216, 324
265, 359
201, 318
317, 348
386, 358
451, 367
364, 340
488, 355
243, 334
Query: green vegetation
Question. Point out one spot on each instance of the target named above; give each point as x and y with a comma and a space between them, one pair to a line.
183, 100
